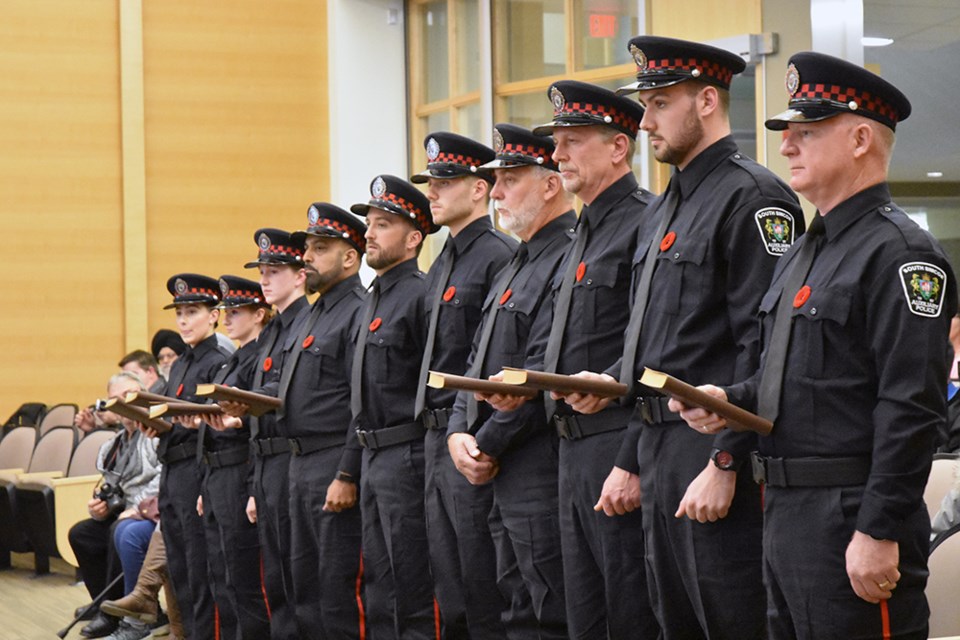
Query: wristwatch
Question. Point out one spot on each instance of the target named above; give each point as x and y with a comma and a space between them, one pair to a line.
723, 460
343, 476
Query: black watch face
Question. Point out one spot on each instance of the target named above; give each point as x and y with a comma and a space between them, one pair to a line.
724, 459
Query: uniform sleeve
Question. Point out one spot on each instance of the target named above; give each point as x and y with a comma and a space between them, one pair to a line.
352, 451
909, 342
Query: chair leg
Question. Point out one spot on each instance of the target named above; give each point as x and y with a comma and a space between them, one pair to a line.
41, 564
5, 559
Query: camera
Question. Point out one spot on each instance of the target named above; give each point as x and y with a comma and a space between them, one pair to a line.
111, 494
100, 405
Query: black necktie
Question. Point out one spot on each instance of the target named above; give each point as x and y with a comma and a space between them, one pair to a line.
635, 326
506, 277
258, 372
771, 380
446, 260
561, 308
179, 373
286, 370
356, 371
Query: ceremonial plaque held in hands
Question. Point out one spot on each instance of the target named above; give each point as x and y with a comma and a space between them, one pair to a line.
259, 403
737, 419
145, 399
176, 409
561, 383
138, 414
438, 380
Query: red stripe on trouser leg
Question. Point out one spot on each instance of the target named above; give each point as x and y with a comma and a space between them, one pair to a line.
885, 619
762, 496
216, 622
436, 617
363, 615
263, 588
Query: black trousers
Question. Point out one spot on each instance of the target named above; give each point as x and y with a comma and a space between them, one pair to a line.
525, 492
271, 492
186, 546
325, 552
603, 557
399, 588
92, 543
462, 554
805, 536
233, 555
705, 580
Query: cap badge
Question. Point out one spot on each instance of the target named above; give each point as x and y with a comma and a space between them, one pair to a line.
180, 286
313, 214
792, 79
224, 287
497, 141
378, 188
639, 57
263, 242
557, 99
433, 149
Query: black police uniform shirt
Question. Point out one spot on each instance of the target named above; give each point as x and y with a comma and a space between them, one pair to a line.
238, 366
700, 323
317, 400
593, 335
197, 365
529, 295
394, 348
283, 326
481, 251
868, 359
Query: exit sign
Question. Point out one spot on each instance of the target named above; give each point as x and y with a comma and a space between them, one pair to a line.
603, 25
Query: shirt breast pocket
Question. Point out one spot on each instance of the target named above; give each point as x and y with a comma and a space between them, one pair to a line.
321, 358
680, 277
603, 298
384, 350
819, 318
464, 310
513, 323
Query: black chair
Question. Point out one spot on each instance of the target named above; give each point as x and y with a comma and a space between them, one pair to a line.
28, 414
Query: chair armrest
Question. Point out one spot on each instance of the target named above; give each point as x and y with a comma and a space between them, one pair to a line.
10, 475
38, 476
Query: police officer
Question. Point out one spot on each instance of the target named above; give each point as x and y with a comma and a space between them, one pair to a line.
458, 282
195, 297
518, 450
708, 250
384, 380
233, 548
855, 355
595, 133
325, 460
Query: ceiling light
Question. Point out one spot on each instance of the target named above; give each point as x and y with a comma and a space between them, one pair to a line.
934, 174
875, 42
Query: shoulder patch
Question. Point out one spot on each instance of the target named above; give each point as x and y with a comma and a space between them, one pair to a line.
776, 229
924, 285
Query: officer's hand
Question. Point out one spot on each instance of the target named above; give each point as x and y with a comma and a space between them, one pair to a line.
190, 422
699, 419
235, 409
620, 493
150, 432
97, 509
709, 496
476, 466
501, 401
200, 506
252, 510
586, 402
222, 421
340, 495
872, 567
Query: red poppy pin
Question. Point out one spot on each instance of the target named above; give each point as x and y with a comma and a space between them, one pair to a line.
179, 390
506, 296
449, 293
802, 296
267, 363
307, 341
375, 324
581, 269
668, 241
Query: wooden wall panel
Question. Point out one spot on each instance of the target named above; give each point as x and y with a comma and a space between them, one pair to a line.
704, 19
236, 131
61, 332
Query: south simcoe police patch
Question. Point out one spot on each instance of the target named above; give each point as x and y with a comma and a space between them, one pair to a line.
923, 285
776, 229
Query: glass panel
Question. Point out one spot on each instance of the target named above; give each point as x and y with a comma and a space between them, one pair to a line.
603, 28
743, 111
439, 121
468, 46
530, 39
526, 110
469, 121
435, 51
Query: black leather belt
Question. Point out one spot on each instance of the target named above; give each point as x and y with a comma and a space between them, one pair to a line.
382, 438
179, 452
264, 447
303, 445
227, 457
577, 427
809, 472
654, 410
435, 419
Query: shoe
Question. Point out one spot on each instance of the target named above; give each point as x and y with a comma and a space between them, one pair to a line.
134, 605
101, 626
88, 614
130, 631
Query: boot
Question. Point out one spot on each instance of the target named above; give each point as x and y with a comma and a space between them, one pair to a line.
142, 603
173, 612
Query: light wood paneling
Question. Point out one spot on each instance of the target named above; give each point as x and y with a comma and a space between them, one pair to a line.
60, 187
704, 19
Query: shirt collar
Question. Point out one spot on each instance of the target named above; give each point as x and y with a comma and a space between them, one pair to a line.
706, 161
597, 210
855, 207
334, 294
556, 227
207, 344
396, 273
288, 315
469, 233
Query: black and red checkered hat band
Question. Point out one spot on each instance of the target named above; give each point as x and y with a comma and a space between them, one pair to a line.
195, 295
526, 154
598, 114
403, 207
842, 97
241, 297
460, 159
331, 228
281, 253
685, 66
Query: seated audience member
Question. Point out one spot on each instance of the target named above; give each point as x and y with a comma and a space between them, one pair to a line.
144, 365
129, 465
166, 347
946, 521
90, 419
